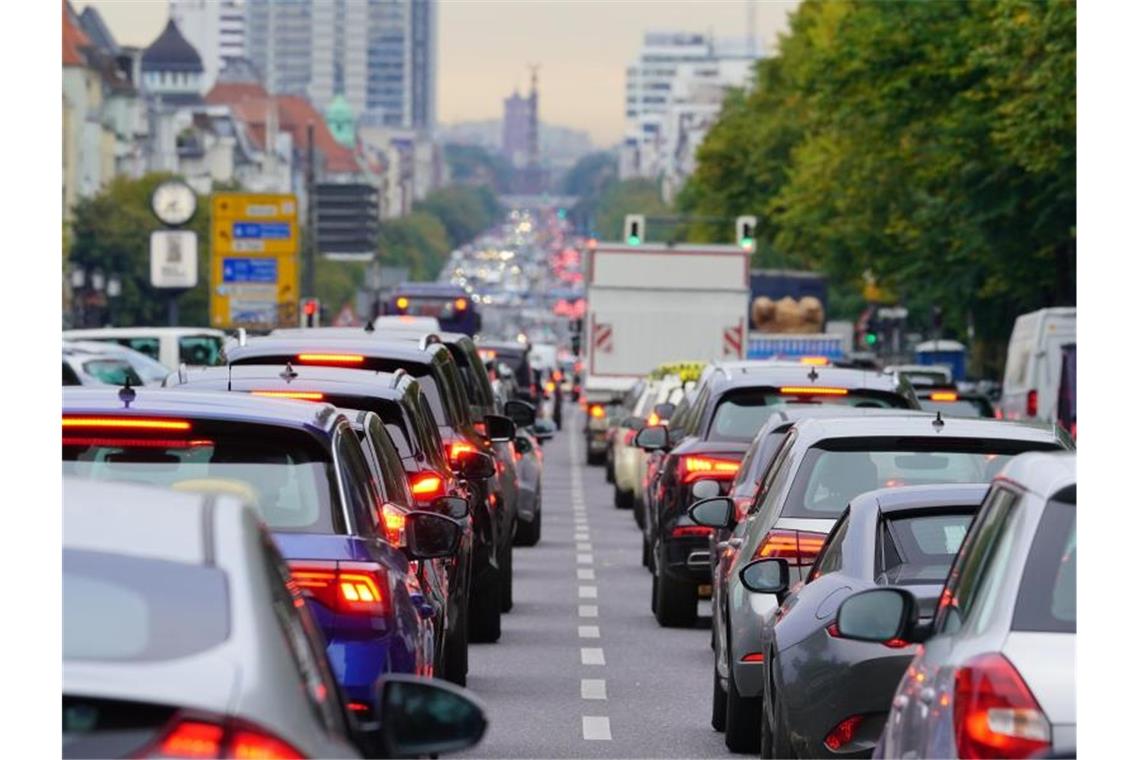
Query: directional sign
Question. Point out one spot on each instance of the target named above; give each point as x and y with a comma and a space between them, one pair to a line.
253, 265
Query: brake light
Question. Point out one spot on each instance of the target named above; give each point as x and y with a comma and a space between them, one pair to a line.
427, 485
460, 304
549, 386
136, 443
395, 521
995, 714
487, 354
694, 467
255, 745
330, 358
792, 390
130, 423
798, 547
597, 412
192, 739
814, 361
691, 531
844, 733
358, 707
301, 395
401, 303
1031, 403
944, 396
627, 439
653, 419
232, 739
753, 657
343, 587
456, 449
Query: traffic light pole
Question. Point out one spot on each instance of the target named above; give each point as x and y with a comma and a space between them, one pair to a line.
308, 265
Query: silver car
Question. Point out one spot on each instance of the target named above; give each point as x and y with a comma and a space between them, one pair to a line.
996, 675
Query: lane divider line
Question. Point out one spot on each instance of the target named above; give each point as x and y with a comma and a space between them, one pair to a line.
594, 688
589, 632
586, 574
596, 728
587, 592
593, 656
585, 559
588, 610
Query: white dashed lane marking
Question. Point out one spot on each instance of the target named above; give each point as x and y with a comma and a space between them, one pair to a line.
593, 656
593, 688
587, 592
586, 574
588, 610
585, 559
589, 632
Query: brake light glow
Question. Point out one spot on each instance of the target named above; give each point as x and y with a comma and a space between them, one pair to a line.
130, 423
814, 361
395, 521
359, 707
753, 657
427, 484
995, 714
461, 304
343, 587
798, 547
691, 531
654, 419
330, 358
301, 395
456, 449
844, 733
136, 443
694, 467
549, 386
193, 739
401, 303
487, 354
254, 745
597, 412
1031, 403
944, 396
795, 390
228, 739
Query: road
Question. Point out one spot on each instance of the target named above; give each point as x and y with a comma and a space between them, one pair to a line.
582, 668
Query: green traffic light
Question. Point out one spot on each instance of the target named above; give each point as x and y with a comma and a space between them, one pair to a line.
871, 339
633, 240
748, 243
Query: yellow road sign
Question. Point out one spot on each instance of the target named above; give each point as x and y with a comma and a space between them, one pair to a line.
253, 260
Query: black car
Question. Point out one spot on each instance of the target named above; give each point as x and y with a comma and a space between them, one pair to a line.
435, 370
705, 447
517, 357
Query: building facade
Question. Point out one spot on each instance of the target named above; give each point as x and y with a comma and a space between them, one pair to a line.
216, 29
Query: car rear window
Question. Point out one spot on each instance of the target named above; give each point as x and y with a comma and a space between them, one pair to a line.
1047, 599
960, 408
282, 472
919, 549
111, 371
739, 415
132, 609
200, 349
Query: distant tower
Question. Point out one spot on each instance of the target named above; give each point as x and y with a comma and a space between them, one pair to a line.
532, 125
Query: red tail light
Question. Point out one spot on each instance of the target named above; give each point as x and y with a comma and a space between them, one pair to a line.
753, 657
798, 547
301, 395
192, 739
690, 531
549, 387
343, 587
232, 739
653, 419
627, 439
330, 358
136, 443
358, 707
456, 449
701, 467
427, 485
251, 745
995, 714
597, 411
1031, 403
844, 733
395, 521
130, 423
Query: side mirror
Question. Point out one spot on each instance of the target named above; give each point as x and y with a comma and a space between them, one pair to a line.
421, 717
706, 489
544, 430
765, 576
454, 507
665, 410
520, 412
476, 465
523, 445
653, 438
499, 428
430, 535
716, 512
878, 615
633, 423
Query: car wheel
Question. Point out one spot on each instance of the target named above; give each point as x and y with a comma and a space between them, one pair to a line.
485, 613
623, 499
645, 553
639, 512
741, 720
719, 699
676, 602
455, 654
507, 577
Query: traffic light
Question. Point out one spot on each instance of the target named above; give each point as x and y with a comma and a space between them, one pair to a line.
348, 220
310, 312
746, 232
634, 229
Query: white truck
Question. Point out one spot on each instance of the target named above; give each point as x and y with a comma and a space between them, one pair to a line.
652, 304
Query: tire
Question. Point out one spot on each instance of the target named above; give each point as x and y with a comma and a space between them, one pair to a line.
639, 512
507, 578
741, 719
645, 553
455, 656
623, 499
719, 698
593, 459
653, 595
609, 466
529, 533
485, 614
676, 602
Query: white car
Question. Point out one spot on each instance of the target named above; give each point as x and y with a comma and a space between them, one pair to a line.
1032, 381
151, 372
172, 346
629, 460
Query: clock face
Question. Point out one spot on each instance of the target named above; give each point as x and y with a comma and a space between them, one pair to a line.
174, 202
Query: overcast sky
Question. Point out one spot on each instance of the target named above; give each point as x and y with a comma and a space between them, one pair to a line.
582, 46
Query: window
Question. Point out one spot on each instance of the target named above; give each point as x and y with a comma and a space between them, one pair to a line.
392, 473
69, 376
111, 371
200, 349
919, 549
1047, 599
359, 488
740, 414
148, 346
831, 557
776, 477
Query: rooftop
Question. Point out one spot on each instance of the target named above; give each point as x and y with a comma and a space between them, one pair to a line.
171, 52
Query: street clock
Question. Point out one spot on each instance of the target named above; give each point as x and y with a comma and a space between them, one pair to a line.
174, 202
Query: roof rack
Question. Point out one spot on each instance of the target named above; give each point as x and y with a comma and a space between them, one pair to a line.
397, 376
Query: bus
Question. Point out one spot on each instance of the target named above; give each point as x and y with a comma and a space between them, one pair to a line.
450, 304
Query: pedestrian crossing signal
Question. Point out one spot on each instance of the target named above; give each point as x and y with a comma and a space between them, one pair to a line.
634, 229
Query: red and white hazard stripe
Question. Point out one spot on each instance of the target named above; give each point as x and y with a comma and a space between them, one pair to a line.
734, 341
603, 337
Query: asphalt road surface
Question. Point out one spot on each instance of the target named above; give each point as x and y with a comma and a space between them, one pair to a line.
582, 668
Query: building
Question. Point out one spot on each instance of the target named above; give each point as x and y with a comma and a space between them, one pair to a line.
650, 80
379, 54
216, 29
516, 129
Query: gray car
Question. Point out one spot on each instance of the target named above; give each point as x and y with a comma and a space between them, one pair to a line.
996, 674
826, 694
820, 467
182, 630
528, 465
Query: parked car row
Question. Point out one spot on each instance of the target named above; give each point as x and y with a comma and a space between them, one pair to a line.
865, 562
358, 491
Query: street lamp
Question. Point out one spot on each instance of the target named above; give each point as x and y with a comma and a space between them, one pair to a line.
98, 281
114, 286
78, 276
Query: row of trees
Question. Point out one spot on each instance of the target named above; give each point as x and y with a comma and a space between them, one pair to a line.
111, 231
930, 146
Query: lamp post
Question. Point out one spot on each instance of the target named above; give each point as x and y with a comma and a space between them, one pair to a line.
114, 290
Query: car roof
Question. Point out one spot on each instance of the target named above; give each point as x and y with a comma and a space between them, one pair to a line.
504, 345
1040, 472
200, 405
370, 347
429, 289
147, 332
923, 425
336, 380
906, 498
745, 374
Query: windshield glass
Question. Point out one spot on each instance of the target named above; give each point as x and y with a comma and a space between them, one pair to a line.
960, 408
739, 416
111, 371
200, 349
920, 550
286, 478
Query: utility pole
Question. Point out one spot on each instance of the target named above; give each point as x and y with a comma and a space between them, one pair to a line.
308, 267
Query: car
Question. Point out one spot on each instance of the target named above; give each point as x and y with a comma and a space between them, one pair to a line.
625, 453
921, 375
827, 694
1033, 365
528, 462
821, 465
615, 414
707, 444
516, 356
82, 367
995, 673
953, 402
302, 466
172, 346
434, 368
397, 403
149, 371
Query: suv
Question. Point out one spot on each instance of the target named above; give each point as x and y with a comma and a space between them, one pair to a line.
438, 376
709, 439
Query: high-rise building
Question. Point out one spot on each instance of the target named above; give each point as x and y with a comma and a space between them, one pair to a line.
216, 29
379, 54
516, 128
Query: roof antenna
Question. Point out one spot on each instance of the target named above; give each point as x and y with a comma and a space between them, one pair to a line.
229, 377
127, 393
288, 374
369, 327
813, 375
938, 421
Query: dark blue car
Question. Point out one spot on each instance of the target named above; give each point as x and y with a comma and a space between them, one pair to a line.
302, 465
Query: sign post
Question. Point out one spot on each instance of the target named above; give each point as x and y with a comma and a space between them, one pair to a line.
253, 260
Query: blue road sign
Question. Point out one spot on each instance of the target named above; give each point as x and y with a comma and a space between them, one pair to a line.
262, 230
249, 270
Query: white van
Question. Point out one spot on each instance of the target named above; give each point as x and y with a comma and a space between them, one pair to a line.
1033, 363
170, 345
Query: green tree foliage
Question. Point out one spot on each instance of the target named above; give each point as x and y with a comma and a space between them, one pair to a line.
930, 143
587, 180
472, 165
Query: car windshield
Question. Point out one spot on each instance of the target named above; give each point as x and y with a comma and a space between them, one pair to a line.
739, 416
133, 609
284, 476
200, 349
920, 549
959, 408
111, 371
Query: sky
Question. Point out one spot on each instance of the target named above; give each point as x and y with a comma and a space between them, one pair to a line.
485, 46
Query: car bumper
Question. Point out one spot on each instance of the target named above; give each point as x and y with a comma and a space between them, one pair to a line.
686, 559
